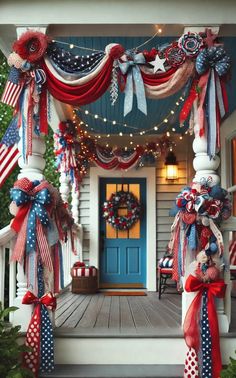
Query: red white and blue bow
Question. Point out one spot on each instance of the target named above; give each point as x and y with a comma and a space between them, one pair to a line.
39, 336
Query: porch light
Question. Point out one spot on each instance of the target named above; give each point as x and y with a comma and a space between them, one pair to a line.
171, 167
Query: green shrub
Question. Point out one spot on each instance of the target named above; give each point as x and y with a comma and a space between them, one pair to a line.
230, 370
10, 350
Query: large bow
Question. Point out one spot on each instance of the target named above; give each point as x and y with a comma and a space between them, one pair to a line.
39, 333
47, 300
34, 207
134, 81
192, 318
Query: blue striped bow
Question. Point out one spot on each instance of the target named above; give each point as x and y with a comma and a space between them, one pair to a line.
36, 204
134, 81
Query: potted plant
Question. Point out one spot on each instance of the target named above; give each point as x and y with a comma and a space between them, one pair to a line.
10, 349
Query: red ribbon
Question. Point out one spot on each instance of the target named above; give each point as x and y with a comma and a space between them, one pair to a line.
192, 318
32, 359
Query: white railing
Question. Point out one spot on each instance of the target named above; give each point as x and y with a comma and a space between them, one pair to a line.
227, 228
17, 284
6, 243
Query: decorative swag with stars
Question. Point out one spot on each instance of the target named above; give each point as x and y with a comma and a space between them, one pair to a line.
41, 65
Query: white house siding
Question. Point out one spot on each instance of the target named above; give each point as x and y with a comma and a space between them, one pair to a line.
166, 194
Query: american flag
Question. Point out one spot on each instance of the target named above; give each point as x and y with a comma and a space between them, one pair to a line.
13, 88
9, 153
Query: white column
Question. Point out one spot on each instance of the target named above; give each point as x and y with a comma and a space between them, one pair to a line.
33, 170
205, 168
75, 203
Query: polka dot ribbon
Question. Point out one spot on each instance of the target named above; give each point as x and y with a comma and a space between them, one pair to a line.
39, 335
36, 206
191, 365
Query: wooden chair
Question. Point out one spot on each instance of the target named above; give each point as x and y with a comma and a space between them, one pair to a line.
165, 270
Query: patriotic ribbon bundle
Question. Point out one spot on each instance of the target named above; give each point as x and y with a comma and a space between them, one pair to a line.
67, 149
201, 331
25, 90
199, 210
39, 222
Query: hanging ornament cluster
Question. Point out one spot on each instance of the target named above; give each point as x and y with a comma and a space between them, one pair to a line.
199, 211
119, 200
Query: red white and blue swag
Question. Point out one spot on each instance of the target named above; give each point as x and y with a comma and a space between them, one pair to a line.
38, 66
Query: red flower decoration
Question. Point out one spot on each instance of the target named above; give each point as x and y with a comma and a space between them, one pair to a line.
31, 46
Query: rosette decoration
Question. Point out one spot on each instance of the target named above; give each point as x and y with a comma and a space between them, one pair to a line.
41, 222
200, 208
212, 64
111, 207
25, 89
39, 336
201, 331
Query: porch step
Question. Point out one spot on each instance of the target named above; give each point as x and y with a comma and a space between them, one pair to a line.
116, 371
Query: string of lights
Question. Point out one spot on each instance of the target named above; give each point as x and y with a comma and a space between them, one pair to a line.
134, 129
72, 45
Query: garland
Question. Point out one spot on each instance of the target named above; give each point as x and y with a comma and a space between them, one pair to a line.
155, 74
111, 208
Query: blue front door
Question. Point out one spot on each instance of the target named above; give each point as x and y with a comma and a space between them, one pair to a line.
123, 253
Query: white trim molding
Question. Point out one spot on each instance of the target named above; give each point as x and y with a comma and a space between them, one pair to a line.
150, 174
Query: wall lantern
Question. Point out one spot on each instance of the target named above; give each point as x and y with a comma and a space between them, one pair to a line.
171, 167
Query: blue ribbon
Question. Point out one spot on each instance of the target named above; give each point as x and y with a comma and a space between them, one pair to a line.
212, 128
37, 209
134, 81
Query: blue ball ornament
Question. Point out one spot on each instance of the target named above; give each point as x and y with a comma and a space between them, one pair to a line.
213, 248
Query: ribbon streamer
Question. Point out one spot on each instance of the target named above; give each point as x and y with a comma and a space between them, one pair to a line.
39, 326
192, 318
134, 81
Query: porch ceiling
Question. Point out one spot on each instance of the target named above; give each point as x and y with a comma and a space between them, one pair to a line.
157, 110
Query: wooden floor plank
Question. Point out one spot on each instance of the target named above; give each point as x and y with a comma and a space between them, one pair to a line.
140, 319
114, 319
90, 315
75, 317
172, 313
162, 310
104, 313
155, 317
67, 303
126, 318
73, 308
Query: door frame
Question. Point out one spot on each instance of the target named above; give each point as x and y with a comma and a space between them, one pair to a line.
150, 174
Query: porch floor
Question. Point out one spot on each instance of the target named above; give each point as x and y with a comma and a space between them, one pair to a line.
100, 315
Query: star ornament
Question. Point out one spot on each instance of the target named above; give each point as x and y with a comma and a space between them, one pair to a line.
158, 64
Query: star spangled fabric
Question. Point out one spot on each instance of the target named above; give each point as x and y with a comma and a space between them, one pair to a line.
9, 153
13, 88
206, 345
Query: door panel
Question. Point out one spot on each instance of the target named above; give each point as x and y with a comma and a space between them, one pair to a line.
123, 253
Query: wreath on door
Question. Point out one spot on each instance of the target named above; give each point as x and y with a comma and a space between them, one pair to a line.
116, 201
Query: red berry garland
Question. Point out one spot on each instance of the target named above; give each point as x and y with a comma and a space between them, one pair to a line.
117, 200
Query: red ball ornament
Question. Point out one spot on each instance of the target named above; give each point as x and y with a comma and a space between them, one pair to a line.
212, 273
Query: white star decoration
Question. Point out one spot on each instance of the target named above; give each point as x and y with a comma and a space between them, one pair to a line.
158, 64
